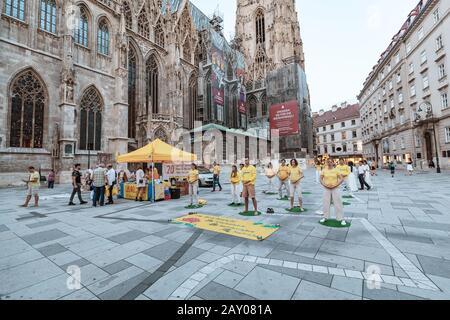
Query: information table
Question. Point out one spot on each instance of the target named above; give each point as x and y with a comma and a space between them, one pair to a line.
129, 191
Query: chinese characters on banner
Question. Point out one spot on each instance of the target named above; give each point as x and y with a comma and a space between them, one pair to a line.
284, 117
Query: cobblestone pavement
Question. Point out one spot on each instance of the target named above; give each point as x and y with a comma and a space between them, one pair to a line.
400, 231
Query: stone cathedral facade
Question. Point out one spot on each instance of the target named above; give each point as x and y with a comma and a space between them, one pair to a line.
82, 81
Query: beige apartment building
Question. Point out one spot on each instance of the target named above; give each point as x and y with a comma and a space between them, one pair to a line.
338, 133
405, 110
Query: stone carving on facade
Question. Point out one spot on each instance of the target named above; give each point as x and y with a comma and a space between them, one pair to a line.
67, 85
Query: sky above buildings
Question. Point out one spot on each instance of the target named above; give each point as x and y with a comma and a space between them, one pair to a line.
343, 40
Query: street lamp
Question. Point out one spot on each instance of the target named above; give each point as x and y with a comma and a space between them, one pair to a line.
425, 112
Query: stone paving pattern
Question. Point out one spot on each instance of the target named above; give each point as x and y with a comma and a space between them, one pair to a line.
132, 251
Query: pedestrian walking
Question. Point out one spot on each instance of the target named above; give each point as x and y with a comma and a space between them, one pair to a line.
352, 178
249, 180
368, 175
410, 168
392, 168
141, 184
193, 178
99, 181
216, 177
296, 175
362, 176
111, 177
283, 177
33, 183
76, 185
51, 179
270, 174
331, 180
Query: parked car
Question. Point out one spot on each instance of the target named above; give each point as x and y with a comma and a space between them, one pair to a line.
206, 177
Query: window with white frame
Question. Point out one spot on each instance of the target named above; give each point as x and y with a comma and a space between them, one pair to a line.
15, 9
402, 119
219, 112
423, 57
447, 135
444, 100
442, 72
426, 82
402, 143
408, 47
413, 90
436, 16
392, 104
399, 78
394, 145
439, 43
385, 108
420, 33
411, 68
391, 85
400, 97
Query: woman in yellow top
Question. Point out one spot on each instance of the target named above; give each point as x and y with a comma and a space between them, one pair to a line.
270, 174
193, 178
319, 168
283, 176
235, 180
296, 176
331, 179
344, 170
248, 181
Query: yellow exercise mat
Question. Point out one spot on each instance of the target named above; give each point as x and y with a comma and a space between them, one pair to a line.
233, 227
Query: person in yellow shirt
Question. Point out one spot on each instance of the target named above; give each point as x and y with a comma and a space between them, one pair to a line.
249, 180
241, 186
295, 177
331, 180
344, 170
216, 177
235, 180
33, 184
193, 178
270, 174
283, 176
319, 168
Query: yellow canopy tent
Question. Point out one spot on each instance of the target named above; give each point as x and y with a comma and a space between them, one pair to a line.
157, 152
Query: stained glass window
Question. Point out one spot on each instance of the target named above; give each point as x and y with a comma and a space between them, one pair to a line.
103, 38
143, 24
82, 32
28, 103
152, 90
15, 9
91, 120
48, 16
132, 68
260, 27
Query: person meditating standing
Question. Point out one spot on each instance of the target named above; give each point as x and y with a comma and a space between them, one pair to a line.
296, 176
235, 180
193, 178
331, 180
283, 176
270, 174
249, 180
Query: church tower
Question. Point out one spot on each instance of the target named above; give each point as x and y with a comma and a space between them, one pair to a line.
268, 34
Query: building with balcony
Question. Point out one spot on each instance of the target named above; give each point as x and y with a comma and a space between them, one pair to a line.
405, 110
338, 133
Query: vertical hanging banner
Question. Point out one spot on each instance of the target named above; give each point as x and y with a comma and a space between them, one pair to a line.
218, 68
284, 117
241, 106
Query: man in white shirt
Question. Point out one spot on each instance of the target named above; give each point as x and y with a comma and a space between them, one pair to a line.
111, 177
141, 184
362, 169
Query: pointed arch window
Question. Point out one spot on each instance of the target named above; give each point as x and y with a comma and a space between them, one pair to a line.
82, 31
47, 21
260, 27
103, 38
159, 35
132, 86
15, 9
187, 49
143, 24
91, 108
192, 106
252, 107
264, 106
28, 103
152, 90
128, 15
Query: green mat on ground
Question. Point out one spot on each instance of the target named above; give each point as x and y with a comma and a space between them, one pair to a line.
236, 205
348, 197
195, 206
346, 203
332, 223
284, 199
297, 210
270, 193
250, 213
307, 193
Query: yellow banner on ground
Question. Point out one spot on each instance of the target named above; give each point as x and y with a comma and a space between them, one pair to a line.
233, 227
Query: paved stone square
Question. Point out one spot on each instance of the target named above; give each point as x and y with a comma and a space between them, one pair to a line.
398, 247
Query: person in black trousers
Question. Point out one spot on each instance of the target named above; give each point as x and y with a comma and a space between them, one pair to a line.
362, 169
76, 184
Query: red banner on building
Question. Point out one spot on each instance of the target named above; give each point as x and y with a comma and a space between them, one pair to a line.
284, 117
241, 106
219, 96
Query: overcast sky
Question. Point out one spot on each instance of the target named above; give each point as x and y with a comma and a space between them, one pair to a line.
342, 40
